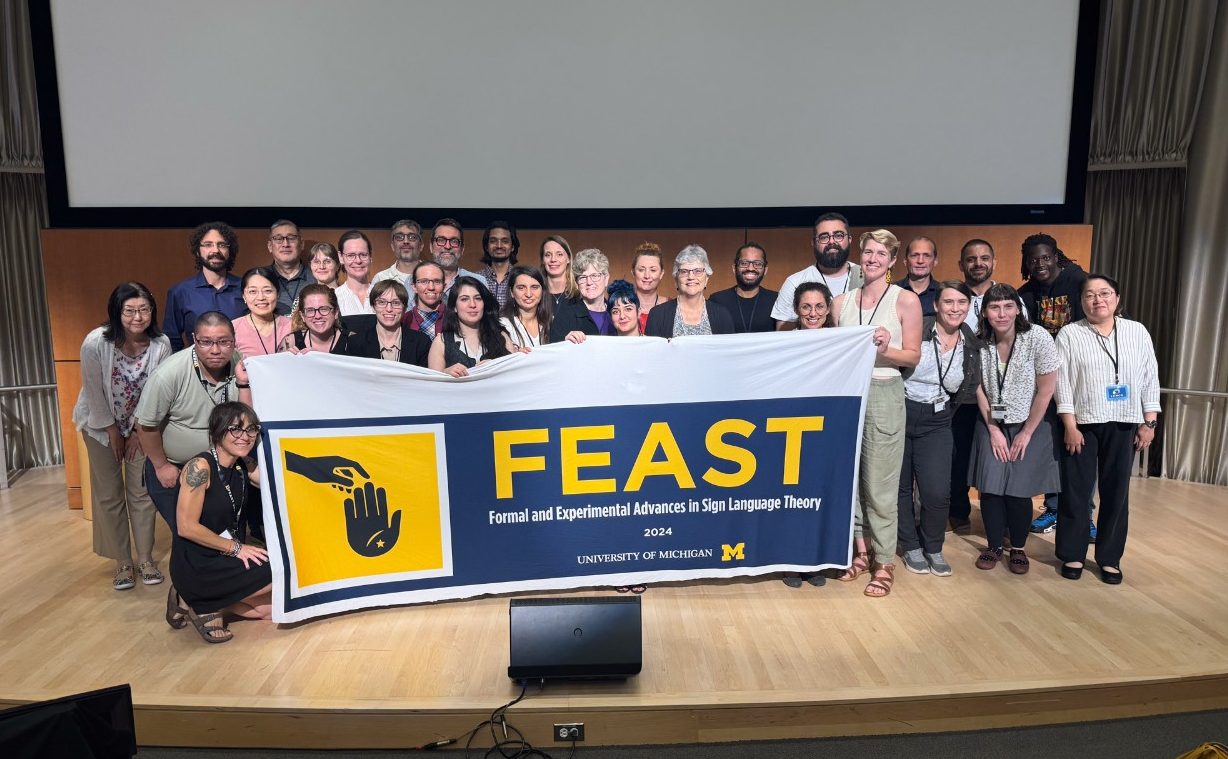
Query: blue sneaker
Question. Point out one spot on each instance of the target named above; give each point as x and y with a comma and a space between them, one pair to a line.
1092, 533
1045, 522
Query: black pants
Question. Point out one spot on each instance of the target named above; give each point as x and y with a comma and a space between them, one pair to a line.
1108, 452
963, 429
927, 458
166, 500
1003, 512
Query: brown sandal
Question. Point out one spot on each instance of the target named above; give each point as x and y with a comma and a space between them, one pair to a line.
860, 565
206, 630
881, 586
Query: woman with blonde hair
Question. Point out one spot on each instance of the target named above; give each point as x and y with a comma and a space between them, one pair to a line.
647, 271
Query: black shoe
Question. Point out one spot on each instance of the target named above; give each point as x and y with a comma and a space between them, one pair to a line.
960, 526
1071, 573
1111, 578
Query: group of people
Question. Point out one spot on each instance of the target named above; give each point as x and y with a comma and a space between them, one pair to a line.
1045, 389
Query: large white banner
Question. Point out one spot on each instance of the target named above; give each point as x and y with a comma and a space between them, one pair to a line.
612, 462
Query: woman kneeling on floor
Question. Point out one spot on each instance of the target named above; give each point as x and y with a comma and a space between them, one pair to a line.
213, 571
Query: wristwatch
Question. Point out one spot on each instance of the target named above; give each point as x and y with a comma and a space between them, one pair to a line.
1150, 424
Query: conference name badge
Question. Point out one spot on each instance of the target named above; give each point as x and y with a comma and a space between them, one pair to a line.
1117, 393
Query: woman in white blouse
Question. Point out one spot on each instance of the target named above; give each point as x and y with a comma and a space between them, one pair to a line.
1012, 454
527, 313
1108, 398
353, 296
116, 359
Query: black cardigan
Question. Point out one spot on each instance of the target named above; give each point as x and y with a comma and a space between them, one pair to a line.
364, 343
570, 315
972, 360
661, 319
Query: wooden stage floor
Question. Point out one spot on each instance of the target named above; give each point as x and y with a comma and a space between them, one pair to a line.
723, 660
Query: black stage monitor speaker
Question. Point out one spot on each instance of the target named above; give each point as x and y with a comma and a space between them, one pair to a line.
575, 638
94, 725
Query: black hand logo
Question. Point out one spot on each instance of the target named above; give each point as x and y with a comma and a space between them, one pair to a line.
367, 526
337, 471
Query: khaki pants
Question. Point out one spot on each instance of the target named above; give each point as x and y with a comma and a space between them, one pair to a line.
882, 451
121, 505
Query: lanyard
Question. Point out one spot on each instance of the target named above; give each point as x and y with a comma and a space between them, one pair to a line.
1003, 371
942, 373
746, 324
236, 506
860, 293
846, 282
1103, 342
260, 337
205, 384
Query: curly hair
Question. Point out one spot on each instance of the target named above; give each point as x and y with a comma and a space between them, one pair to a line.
228, 236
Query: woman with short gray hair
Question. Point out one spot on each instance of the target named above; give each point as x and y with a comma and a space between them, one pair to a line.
691, 313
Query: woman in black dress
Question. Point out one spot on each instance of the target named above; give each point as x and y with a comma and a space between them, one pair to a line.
213, 571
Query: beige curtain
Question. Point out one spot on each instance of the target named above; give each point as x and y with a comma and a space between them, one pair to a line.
1151, 84
1199, 425
30, 418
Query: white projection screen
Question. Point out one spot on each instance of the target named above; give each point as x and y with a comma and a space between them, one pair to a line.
716, 111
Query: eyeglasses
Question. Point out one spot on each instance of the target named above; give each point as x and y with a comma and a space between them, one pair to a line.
252, 292
211, 245
586, 278
138, 311
446, 242
356, 256
319, 310
279, 239
429, 282
1090, 296
208, 344
692, 272
239, 432
406, 237
825, 238
756, 265
395, 304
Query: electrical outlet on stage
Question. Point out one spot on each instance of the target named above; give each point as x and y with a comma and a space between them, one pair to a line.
569, 731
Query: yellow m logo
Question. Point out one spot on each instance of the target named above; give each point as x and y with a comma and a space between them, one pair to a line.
729, 553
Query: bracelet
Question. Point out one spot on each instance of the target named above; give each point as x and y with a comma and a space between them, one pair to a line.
243, 385
234, 550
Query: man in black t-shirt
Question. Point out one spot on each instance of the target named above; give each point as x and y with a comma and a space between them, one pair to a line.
748, 303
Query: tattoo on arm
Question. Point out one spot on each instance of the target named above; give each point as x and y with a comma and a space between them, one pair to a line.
196, 473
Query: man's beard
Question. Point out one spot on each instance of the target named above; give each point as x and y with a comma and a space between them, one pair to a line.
832, 256
743, 284
222, 266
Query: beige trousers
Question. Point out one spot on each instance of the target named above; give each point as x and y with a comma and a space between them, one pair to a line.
123, 512
882, 451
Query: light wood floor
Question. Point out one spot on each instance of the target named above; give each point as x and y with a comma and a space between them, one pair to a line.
722, 660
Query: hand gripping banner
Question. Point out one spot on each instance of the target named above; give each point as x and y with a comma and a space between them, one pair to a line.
614, 462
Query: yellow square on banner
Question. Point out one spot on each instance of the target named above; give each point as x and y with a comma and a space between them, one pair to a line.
362, 506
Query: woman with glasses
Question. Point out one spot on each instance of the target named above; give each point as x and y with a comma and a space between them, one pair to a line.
647, 269
895, 315
812, 305
527, 313
471, 333
353, 295
555, 257
116, 359
316, 323
1013, 457
260, 332
1108, 398
383, 337
212, 570
325, 264
691, 313
577, 318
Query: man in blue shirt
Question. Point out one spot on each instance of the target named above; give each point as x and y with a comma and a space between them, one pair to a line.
215, 247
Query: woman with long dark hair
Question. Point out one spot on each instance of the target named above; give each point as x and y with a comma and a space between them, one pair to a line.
528, 311
471, 332
116, 359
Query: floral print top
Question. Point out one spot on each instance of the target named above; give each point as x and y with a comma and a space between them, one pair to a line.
128, 377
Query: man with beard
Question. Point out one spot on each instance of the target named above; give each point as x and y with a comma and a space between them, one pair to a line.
831, 267
920, 257
426, 313
172, 416
447, 247
749, 303
214, 248
406, 245
1053, 284
501, 245
286, 247
976, 261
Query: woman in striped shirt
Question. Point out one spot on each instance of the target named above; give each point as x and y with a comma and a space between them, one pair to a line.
1108, 398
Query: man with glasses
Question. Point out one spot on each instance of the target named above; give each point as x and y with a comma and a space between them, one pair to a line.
172, 416
214, 248
447, 247
750, 303
832, 267
406, 247
286, 247
500, 246
427, 310
920, 257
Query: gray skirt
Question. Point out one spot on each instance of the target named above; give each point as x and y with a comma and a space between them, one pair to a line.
1037, 473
